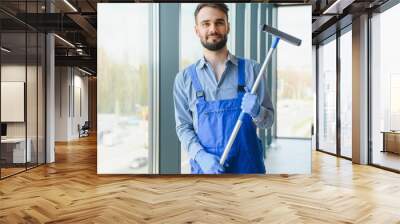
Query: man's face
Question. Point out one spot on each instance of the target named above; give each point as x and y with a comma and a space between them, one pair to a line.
212, 28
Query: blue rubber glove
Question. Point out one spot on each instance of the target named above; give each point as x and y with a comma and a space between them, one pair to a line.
208, 162
251, 104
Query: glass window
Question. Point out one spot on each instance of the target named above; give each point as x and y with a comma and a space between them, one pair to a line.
123, 87
394, 102
385, 84
294, 76
31, 101
293, 85
32, 89
22, 91
247, 30
346, 94
41, 79
41, 89
14, 153
327, 97
190, 49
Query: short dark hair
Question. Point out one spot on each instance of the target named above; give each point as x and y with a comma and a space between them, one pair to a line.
221, 6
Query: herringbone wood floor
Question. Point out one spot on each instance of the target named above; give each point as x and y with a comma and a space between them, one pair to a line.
69, 191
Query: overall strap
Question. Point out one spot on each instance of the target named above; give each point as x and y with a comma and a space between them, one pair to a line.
241, 76
196, 83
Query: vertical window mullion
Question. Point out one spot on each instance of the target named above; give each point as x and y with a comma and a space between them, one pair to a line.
338, 98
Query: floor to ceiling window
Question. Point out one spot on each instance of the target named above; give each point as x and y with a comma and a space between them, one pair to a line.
327, 96
290, 151
385, 89
346, 93
124, 88
294, 76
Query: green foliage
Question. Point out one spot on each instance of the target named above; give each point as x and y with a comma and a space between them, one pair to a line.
123, 87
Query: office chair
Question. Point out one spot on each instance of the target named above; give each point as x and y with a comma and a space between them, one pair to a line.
84, 130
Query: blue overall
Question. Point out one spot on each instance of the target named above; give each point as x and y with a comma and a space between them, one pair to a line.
216, 120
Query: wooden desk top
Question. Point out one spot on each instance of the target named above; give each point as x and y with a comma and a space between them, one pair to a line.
391, 132
14, 140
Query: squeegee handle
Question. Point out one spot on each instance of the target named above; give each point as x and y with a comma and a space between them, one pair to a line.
264, 65
253, 91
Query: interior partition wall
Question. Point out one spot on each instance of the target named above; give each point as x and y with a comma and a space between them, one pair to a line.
22, 88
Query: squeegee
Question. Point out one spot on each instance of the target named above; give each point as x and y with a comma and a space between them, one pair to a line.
278, 35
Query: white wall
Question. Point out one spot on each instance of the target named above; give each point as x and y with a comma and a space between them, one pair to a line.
61, 103
80, 103
17, 73
71, 87
12, 73
33, 125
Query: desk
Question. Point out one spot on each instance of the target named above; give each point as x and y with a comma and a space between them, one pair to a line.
391, 141
16, 147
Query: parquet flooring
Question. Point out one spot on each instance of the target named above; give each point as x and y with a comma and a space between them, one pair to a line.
10, 171
70, 191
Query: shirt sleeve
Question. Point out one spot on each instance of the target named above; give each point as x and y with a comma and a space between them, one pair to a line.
265, 118
183, 118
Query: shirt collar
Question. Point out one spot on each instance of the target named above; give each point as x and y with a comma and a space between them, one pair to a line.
231, 58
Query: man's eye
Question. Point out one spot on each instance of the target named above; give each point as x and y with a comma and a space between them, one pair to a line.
206, 24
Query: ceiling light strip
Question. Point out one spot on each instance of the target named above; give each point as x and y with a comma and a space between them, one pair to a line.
70, 5
5, 49
65, 41
84, 71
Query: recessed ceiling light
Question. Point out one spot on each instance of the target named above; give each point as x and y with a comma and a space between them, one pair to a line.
64, 40
338, 6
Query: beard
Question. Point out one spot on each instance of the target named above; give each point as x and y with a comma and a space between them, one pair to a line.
216, 45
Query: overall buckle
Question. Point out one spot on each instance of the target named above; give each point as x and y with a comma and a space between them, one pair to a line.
200, 94
241, 88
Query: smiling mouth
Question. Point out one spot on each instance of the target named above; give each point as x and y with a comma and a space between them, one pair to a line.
214, 36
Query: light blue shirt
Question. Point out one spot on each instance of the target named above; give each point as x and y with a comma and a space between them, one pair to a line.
185, 97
